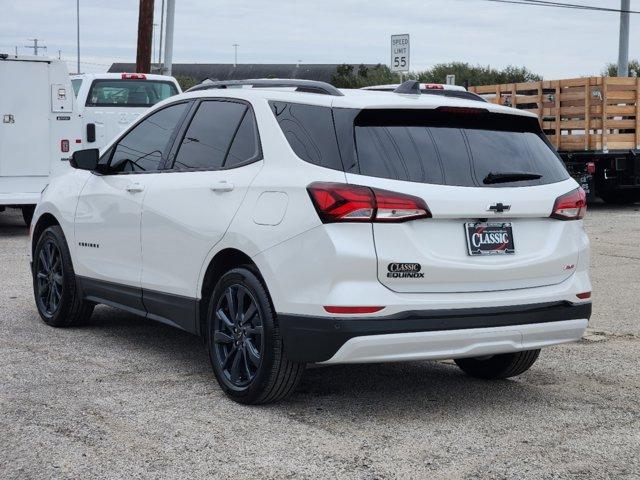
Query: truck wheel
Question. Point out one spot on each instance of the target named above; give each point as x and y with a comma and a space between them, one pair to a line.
58, 298
620, 198
244, 343
27, 213
504, 365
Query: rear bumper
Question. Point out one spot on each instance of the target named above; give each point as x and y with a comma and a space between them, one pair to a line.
432, 334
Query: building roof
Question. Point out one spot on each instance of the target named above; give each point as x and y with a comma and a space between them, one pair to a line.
226, 71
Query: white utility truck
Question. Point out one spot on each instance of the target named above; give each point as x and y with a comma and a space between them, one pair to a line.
38, 127
109, 102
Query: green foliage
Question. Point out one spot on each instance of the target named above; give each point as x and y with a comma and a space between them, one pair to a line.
611, 69
476, 74
347, 77
186, 82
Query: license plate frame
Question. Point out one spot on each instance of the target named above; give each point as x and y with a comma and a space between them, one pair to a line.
496, 231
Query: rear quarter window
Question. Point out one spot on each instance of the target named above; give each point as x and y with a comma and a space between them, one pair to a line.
310, 132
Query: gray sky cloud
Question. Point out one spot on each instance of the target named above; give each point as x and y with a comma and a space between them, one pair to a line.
556, 43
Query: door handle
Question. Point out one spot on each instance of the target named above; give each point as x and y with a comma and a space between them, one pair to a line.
135, 188
222, 186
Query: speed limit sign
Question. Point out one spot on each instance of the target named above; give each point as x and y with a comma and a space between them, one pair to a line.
400, 53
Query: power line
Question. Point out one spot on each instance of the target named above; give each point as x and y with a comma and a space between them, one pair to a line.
574, 6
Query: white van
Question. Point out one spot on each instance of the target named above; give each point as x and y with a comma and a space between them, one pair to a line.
109, 102
38, 127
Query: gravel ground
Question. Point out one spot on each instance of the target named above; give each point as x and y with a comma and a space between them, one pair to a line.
129, 398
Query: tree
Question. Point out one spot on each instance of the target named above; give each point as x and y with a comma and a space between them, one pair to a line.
611, 69
347, 77
186, 81
476, 74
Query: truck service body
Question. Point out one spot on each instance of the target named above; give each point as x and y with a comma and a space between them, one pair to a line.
38, 128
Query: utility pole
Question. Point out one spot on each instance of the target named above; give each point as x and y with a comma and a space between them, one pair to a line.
145, 32
235, 54
623, 48
160, 43
35, 46
168, 46
78, 33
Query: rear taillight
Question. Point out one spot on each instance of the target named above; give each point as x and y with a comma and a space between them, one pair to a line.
570, 206
64, 146
339, 202
591, 168
133, 76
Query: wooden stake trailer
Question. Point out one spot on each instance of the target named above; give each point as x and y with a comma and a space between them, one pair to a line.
594, 122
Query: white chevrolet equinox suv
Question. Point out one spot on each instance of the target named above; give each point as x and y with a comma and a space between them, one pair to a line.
288, 222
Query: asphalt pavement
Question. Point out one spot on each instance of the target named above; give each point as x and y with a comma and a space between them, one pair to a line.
127, 398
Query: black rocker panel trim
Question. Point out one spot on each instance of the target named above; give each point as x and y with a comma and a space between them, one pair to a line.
175, 310
317, 339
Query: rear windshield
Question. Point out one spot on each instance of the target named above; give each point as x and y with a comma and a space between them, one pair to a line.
453, 149
129, 93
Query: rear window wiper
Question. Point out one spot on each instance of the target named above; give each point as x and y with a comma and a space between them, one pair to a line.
505, 177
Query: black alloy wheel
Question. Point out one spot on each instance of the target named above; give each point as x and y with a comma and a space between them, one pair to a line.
244, 343
49, 278
238, 336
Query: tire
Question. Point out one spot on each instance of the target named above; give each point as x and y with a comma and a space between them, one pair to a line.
52, 266
245, 348
619, 198
500, 366
27, 213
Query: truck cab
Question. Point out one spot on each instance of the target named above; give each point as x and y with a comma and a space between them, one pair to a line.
109, 102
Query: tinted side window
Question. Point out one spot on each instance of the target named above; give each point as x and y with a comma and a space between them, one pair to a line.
144, 147
245, 144
310, 132
209, 136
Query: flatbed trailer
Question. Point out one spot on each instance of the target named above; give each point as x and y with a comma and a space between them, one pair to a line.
594, 123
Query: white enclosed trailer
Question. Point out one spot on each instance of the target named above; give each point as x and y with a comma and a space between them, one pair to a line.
38, 127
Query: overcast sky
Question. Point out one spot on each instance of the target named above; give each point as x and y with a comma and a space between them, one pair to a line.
553, 42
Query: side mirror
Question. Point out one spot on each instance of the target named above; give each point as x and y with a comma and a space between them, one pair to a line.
85, 159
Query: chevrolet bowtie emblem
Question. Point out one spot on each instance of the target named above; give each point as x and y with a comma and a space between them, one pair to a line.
498, 208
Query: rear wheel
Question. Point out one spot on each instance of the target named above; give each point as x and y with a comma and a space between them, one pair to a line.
620, 197
244, 342
58, 298
27, 213
504, 365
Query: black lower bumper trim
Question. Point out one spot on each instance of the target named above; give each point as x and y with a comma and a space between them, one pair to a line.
317, 339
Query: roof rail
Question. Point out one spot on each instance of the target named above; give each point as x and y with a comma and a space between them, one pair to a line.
308, 86
410, 86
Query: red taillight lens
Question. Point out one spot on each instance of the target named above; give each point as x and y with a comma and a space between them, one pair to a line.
570, 206
133, 76
64, 146
583, 295
339, 202
591, 168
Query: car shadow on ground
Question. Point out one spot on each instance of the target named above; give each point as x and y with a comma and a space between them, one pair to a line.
379, 390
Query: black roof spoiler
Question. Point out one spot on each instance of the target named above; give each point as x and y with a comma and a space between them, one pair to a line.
308, 86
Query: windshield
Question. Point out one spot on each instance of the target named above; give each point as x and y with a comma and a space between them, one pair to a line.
450, 151
129, 93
